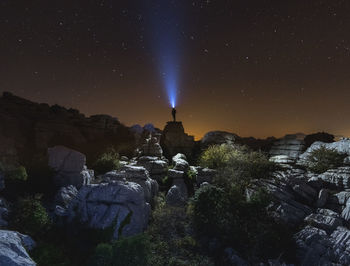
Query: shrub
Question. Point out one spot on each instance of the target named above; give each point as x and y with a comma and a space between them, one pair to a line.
237, 164
30, 217
14, 173
226, 215
108, 161
124, 252
323, 159
50, 254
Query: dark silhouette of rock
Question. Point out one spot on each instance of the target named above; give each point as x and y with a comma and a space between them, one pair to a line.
174, 140
27, 128
320, 136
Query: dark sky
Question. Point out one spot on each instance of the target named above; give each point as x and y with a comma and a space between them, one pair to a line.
253, 67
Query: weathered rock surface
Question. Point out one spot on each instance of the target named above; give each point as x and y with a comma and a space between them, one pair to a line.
316, 247
177, 195
151, 147
156, 167
137, 174
217, 138
69, 166
342, 146
65, 195
324, 219
13, 249
180, 162
338, 178
290, 145
119, 204
174, 140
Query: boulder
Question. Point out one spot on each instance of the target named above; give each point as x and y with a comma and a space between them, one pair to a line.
177, 195
63, 198
316, 247
324, 219
69, 166
151, 147
174, 174
13, 249
218, 138
137, 174
338, 179
120, 205
290, 145
341, 146
282, 159
180, 163
156, 167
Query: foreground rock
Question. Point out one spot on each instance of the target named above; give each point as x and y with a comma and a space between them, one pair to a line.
13, 249
316, 247
118, 205
69, 166
157, 168
136, 174
338, 179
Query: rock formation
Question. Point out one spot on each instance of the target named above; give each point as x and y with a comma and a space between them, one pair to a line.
174, 140
14, 247
27, 128
290, 145
69, 167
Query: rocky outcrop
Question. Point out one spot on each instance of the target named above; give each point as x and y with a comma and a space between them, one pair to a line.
180, 163
69, 166
218, 138
341, 146
137, 174
119, 205
13, 249
28, 128
290, 145
151, 147
205, 175
63, 198
174, 140
157, 168
338, 178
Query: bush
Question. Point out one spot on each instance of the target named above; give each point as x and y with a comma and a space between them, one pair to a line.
323, 159
124, 252
237, 164
108, 161
14, 173
226, 215
30, 217
50, 254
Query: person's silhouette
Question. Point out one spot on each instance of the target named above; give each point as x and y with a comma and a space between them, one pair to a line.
173, 112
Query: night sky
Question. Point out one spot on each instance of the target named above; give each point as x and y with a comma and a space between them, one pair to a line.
253, 67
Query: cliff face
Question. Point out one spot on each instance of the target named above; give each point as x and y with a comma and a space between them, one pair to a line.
28, 128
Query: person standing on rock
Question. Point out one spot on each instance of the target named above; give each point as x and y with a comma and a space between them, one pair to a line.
173, 112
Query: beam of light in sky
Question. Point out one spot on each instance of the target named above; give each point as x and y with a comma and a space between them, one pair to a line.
166, 34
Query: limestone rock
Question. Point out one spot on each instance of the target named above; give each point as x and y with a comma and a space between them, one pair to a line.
13, 249
217, 138
282, 159
151, 147
322, 198
315, 247
290, 145
338, 178
118, 204
156, 167
65, 195
342, 146
180, 163
174, 174
69, 166
174, 140
176, 196
324, 219
137, 174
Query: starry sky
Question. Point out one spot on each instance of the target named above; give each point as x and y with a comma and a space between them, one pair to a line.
253, 67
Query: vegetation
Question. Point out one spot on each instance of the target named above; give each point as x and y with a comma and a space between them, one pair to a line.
237, 164
108, 161
323, 159
14, 173
124, 252
30, 217
226, 215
